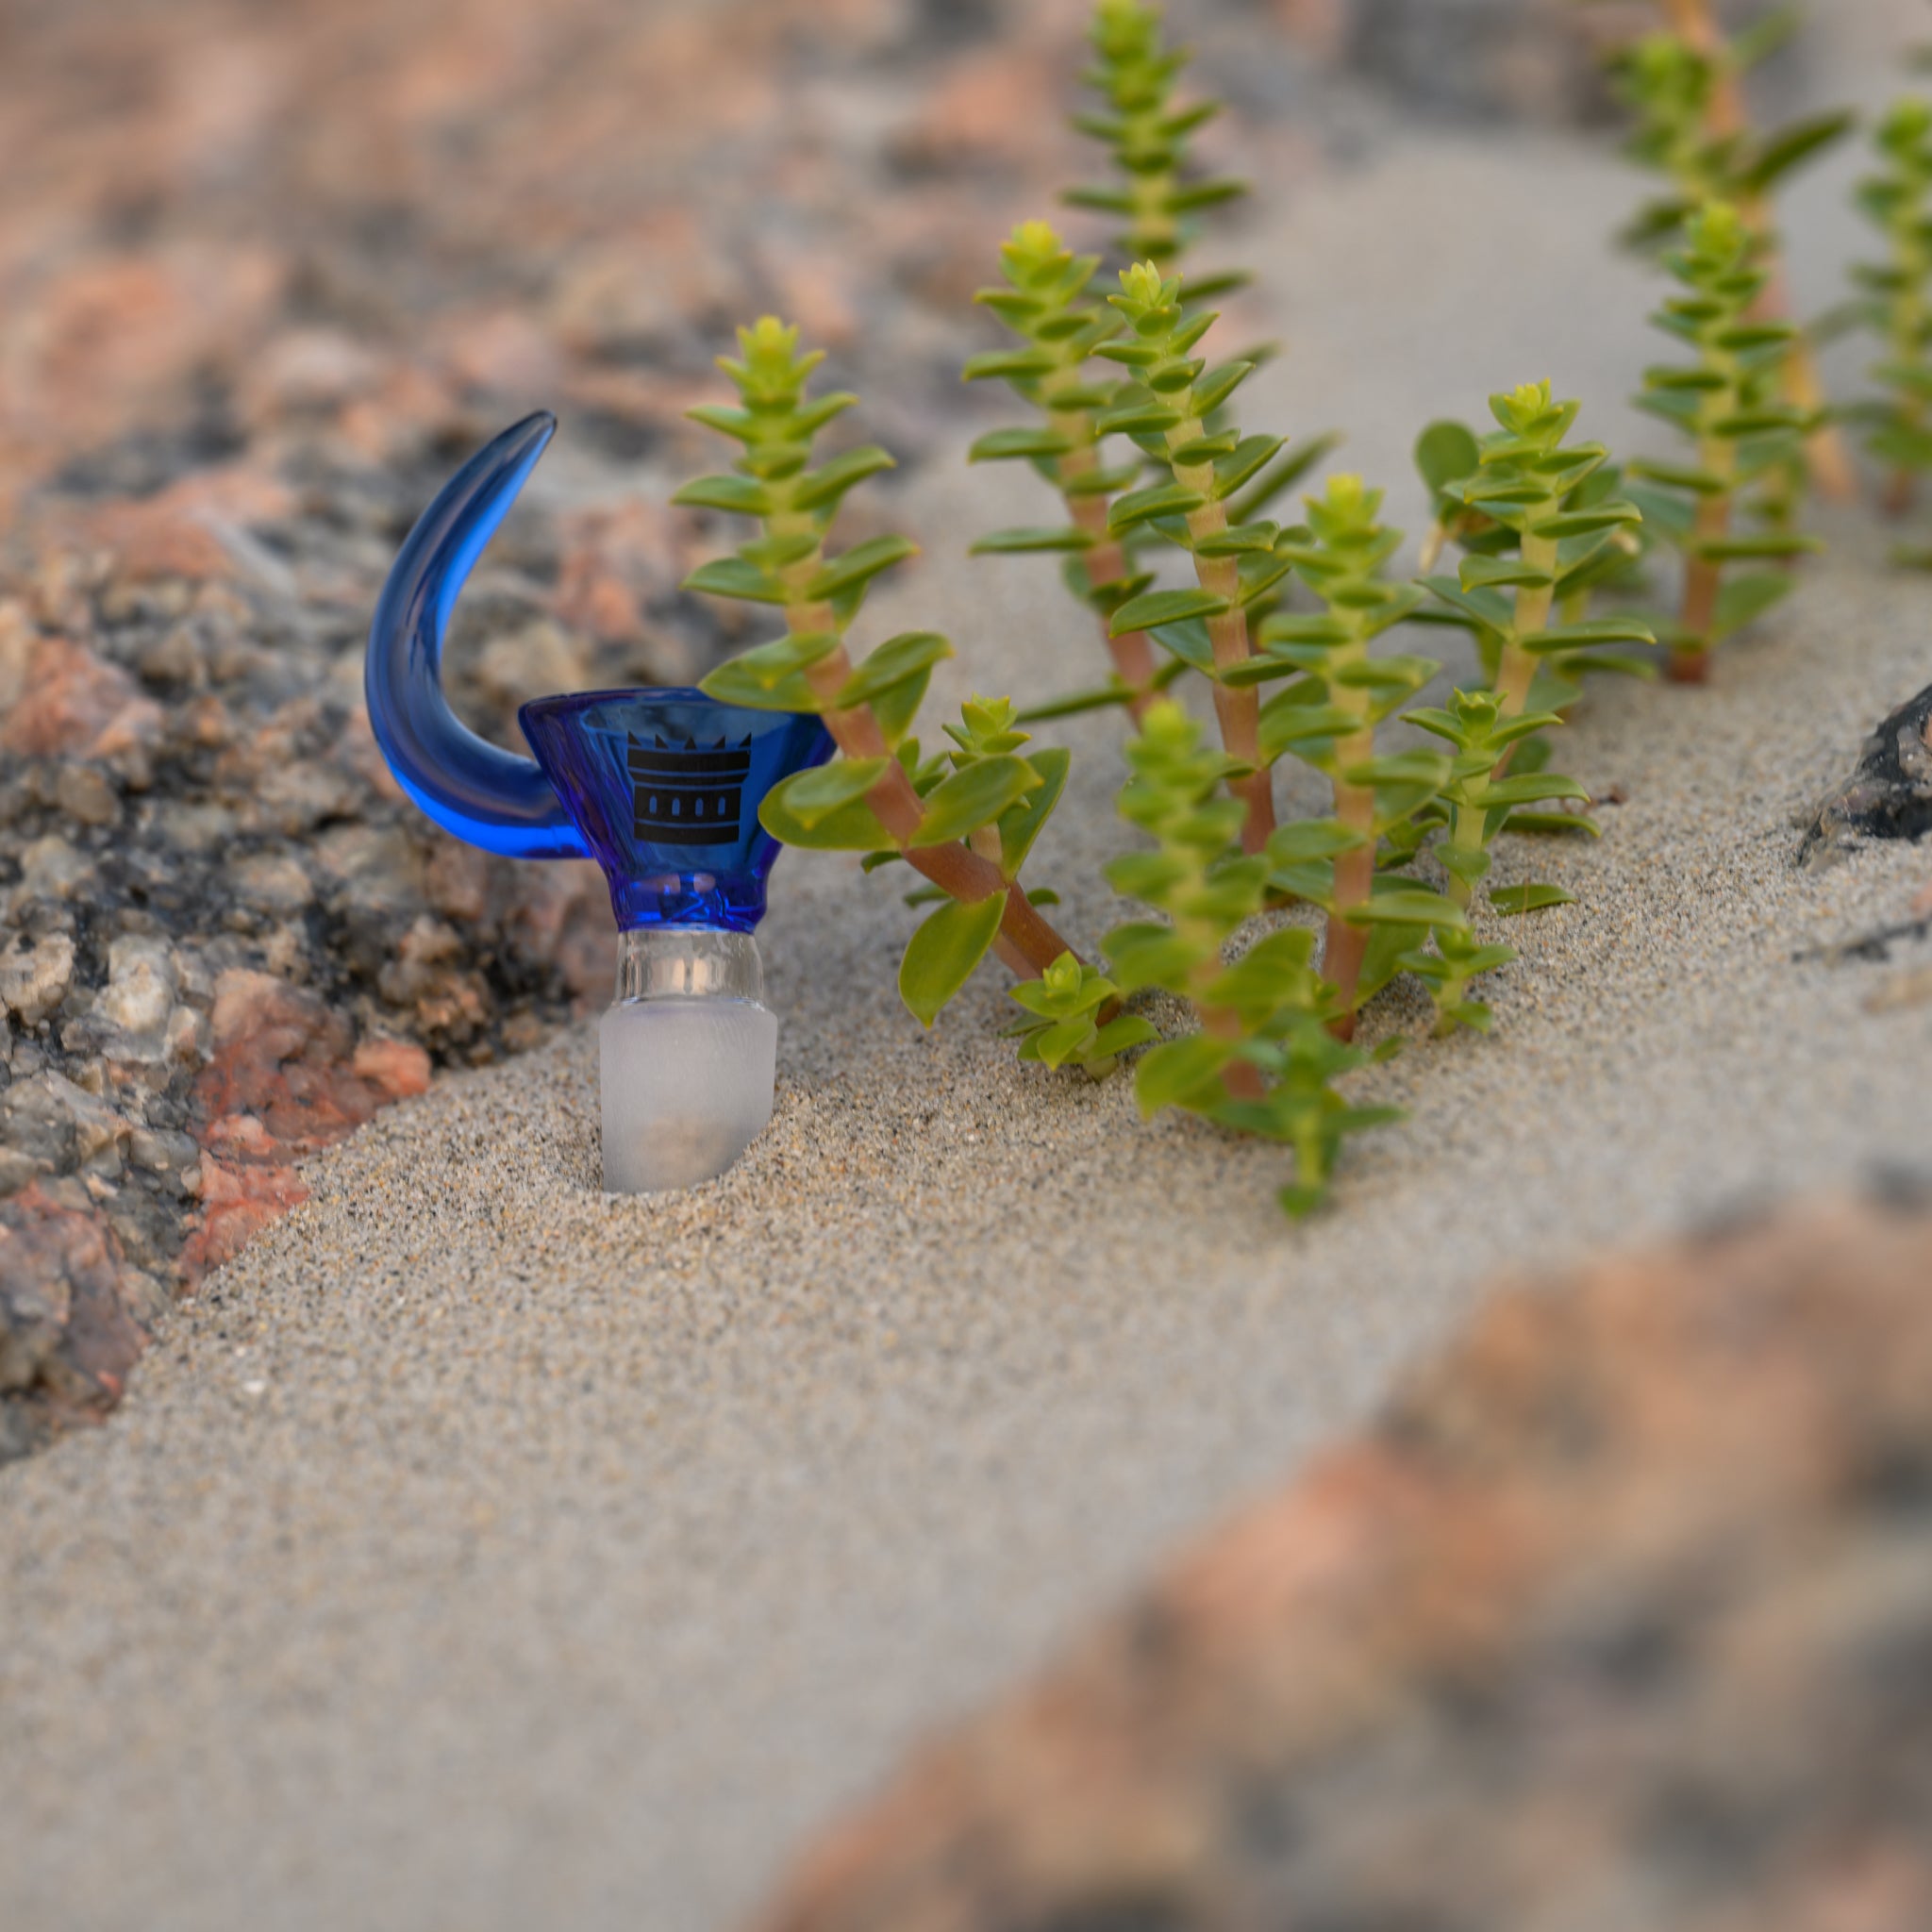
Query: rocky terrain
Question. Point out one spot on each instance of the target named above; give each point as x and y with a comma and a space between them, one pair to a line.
264, 279
1622, 1616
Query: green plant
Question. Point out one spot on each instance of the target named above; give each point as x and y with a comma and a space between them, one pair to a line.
1044, 303
1044, 300
1727, 402
965, 819
1543, 528
1157, 192
1264, 1060
1166, 406
1068, 1024
1327, 718
1685, 86
1897, 303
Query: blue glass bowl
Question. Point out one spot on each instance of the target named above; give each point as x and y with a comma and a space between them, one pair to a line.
662, 788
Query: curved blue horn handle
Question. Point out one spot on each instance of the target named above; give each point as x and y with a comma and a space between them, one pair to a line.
470, 787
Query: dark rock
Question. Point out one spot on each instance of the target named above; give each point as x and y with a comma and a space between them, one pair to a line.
1889, 797
1621, 1617
73, 1315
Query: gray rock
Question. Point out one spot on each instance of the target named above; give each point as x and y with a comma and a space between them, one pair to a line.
35, 975
49, 1120
83, 793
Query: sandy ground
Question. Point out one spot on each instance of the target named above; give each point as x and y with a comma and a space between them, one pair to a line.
480, 1551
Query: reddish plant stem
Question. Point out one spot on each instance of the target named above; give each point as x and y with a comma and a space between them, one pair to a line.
1238, 712
1239, 1079
1105, 564
1028, 943
1702, 580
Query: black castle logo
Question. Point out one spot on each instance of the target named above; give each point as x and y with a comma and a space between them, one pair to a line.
689, 796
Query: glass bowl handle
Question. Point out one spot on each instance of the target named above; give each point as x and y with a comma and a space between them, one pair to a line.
483, 794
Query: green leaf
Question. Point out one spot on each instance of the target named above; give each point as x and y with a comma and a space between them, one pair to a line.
1553, 823
1097, 699
810, 798
1531, 789
1501, 573
1219, 384
859, 565
1513, 901
1142, 416
896, 660
731, 576
1307, 842
1021, 823
1290, 724
1790, 147
1009, 365
1599, 631
1032, 538
1587, 522
1003, 445
944, 952
851, 828
1190, 643
1282, 476
1771, 545
828, 484
1446, 454
1160, 500
1121, 1036
772, 677
974, 797
1166, 606
1180, 1072
1246, 461
1744, 599
1410, 906
740, 495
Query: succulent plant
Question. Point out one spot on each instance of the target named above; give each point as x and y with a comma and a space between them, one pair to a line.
1264, 1060
1897, 301
1728, 402
965, 818
1685, 88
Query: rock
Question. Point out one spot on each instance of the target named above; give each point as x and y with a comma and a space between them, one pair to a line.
1621, 1617
273, 881
50, 868
35, 975
70, 700
283, 1077
161, 1151
52, 1125
139, 992
83, 793
72, 1316
398, 1069
1887, 796
238, 1201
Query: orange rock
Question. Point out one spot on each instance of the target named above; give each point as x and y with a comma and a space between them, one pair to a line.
398, 1068
70, 701
237, 1204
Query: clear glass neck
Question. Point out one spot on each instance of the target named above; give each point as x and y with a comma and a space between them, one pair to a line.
688, 962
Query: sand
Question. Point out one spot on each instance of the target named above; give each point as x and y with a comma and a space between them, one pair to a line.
478, 1551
